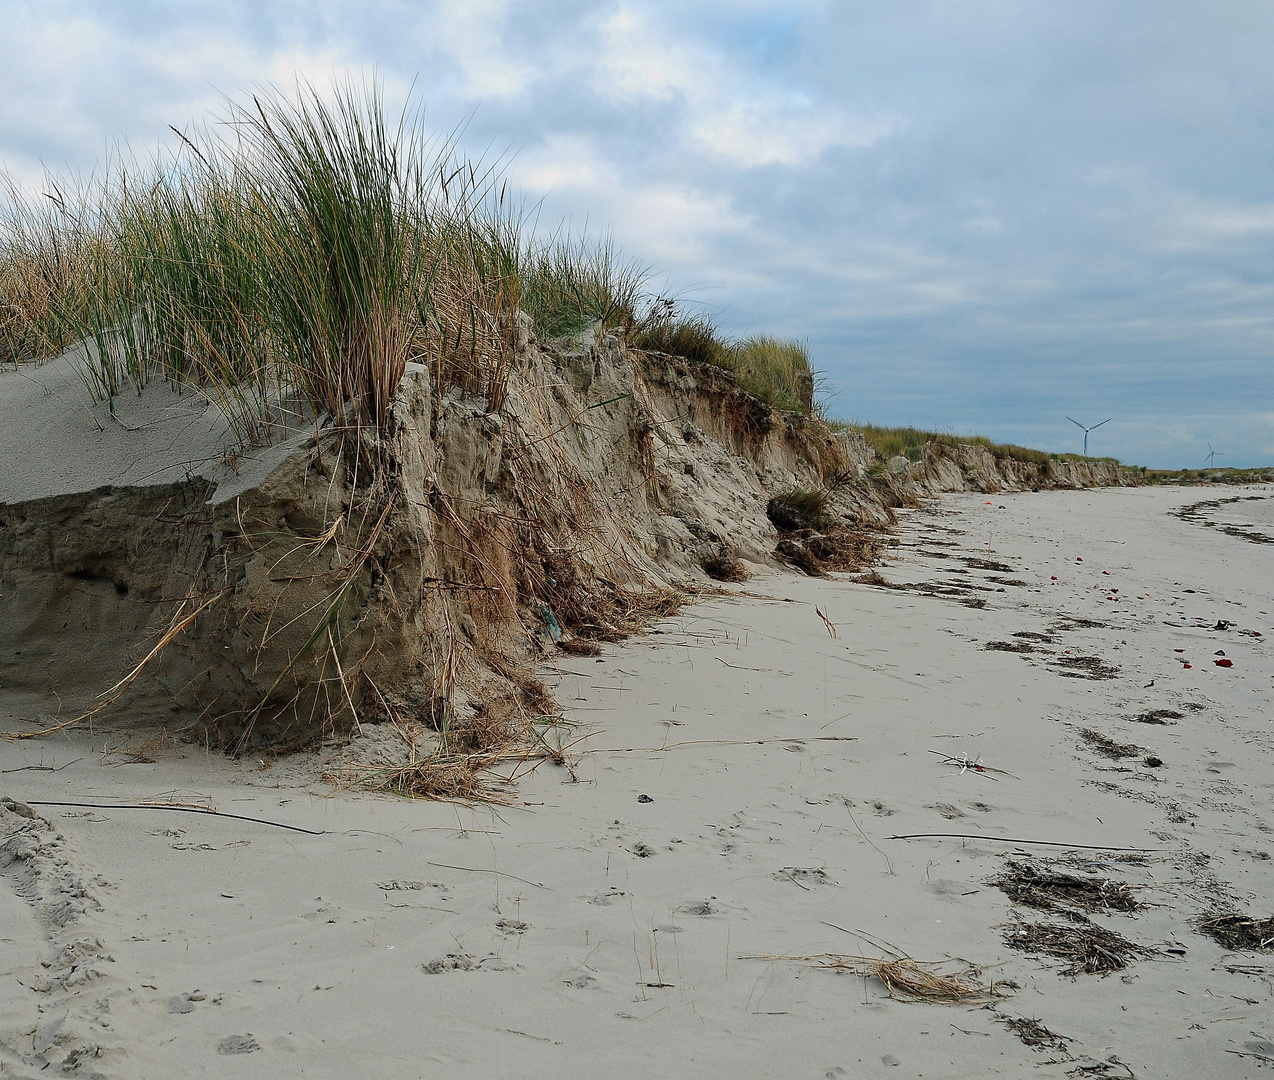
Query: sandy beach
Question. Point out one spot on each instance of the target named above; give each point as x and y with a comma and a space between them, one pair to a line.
1043, 693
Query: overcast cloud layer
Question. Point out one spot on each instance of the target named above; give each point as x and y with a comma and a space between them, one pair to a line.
982, 215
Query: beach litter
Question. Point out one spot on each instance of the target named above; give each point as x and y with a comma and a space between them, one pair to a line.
967, 764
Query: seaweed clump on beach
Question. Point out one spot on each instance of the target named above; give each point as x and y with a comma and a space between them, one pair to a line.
1033, 1033
1049, 890
1087, 948
1232, 931
1107, 746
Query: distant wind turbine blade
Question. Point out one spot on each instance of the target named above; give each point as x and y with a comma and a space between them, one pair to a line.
1077, 423
1106, 421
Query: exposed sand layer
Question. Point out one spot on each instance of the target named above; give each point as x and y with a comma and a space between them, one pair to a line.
744, 775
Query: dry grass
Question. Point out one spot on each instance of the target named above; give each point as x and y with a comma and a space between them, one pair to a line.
773, 370
910, 980
725, 565
800, 508
907, 980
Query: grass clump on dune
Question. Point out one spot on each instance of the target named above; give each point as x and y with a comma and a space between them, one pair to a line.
909, 442
295, 256
312, 253
775, 370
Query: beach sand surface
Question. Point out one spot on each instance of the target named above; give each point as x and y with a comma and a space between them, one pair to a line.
676, 906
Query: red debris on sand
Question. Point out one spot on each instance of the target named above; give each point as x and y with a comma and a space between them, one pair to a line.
1053, 578
1185, 665
1106, 572
1078, 559
1114, 590
1224, 663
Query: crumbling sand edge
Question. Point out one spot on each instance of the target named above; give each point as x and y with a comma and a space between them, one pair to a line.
414, 572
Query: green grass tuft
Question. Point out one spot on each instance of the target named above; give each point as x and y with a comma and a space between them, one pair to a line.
909, 442
306, 249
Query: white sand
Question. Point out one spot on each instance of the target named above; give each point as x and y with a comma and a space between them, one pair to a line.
617, 938
57, 440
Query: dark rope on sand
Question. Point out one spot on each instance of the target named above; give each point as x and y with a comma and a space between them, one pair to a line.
181, 809
1013, 840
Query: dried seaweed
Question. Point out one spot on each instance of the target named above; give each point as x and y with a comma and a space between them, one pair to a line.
1084, 667
1087, 948
1009, 646
1033, 1033
1107, 747
1157, 716
987, 564
1232, 931
1048, 890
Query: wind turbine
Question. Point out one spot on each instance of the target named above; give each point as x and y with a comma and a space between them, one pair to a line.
1087, 430
1208, 461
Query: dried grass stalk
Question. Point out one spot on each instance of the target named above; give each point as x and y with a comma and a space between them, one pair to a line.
910, 980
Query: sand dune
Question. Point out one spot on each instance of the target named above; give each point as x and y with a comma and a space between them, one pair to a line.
732, 831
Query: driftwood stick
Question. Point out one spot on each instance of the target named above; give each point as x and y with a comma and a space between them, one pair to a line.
182, 809
1013, 840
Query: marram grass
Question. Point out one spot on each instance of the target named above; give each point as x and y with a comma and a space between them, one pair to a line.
305, 249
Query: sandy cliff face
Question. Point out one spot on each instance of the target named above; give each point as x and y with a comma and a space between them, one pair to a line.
974, 468
256, 594
261, 592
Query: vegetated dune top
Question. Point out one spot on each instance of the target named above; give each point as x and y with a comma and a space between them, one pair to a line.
56, 440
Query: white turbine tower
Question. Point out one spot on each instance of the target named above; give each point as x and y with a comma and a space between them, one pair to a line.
1088, 429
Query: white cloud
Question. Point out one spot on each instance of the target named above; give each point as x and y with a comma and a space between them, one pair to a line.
727, 111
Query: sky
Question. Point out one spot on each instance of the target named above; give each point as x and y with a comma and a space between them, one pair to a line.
983, 216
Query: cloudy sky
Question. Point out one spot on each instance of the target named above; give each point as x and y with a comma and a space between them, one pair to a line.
982, 215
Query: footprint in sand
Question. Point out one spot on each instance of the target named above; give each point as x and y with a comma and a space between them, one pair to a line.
699, 907
946, 810
582, 981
